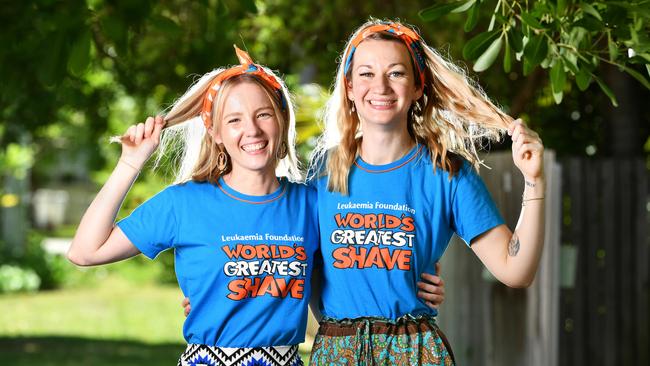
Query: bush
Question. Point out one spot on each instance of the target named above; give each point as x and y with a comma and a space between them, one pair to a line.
51, 270
17, 279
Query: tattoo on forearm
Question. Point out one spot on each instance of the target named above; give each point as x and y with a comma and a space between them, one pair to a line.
513, 245
530, 184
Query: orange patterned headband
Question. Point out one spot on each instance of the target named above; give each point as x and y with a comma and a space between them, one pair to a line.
247, 66
406, 34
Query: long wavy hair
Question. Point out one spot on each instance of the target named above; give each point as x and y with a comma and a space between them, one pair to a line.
192, 149
453, 116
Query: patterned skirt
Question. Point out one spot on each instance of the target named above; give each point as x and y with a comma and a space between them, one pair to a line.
202, 355
376, 341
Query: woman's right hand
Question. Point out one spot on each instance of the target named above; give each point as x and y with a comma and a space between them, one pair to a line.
140, 141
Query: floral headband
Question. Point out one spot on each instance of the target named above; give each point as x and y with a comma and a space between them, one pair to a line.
246, 67
406, 34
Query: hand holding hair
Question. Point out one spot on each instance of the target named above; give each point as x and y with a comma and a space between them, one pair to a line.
527, 151
140, 141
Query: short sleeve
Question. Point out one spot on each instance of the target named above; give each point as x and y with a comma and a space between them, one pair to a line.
474, 212
152, 226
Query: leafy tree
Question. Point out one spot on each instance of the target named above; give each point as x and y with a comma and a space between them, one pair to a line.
567, 37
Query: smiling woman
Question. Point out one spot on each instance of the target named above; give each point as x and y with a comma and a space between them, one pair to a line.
250, 294
248, 129
383, 89
395, 179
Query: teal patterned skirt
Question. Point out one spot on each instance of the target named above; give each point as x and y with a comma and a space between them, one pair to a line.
377, 341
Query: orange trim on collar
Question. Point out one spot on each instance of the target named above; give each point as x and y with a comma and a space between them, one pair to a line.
389, 169
284, 189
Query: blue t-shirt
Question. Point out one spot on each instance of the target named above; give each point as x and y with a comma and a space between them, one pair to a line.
394, 225
245, 262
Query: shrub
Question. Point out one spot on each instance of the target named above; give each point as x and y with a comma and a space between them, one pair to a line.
50, 269
17, 279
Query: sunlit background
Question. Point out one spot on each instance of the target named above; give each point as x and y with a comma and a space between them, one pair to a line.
75, 73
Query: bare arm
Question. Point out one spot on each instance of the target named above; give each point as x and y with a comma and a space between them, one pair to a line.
98, 240
513, 258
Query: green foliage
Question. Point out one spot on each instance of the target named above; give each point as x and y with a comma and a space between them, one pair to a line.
309, 101
569, 37
51, 270
16, 159
18, 279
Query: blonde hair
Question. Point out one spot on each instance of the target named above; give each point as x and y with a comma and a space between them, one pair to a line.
193, 150
452, 116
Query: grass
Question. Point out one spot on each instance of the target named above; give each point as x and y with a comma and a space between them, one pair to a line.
113, 315
69, 351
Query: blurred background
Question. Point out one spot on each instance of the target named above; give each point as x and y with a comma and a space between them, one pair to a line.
74, 73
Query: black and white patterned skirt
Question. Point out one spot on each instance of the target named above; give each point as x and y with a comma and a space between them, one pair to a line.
202, 355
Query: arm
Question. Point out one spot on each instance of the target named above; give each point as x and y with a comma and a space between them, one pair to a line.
98, 240
316, 287
513, 258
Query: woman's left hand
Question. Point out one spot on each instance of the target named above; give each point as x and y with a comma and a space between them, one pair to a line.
527, 150
432, 289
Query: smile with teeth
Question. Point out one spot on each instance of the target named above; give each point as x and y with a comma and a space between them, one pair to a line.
255, 146
382, 102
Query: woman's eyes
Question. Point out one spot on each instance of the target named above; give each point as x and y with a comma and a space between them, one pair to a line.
262, 115
394, 74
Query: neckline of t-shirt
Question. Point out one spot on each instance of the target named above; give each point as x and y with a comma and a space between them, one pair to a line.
415, 151
257, 200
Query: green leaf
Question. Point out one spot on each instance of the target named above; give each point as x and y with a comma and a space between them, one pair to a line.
516, 40
464, 7
646, 56
637, 75
476, 46
528, 67
570, 64
166, 25
647, 67
507, 58
611, 46
558, 79
436, 11
561, 6
79, 57
606, 90
589, 23
536, 50
487, 58
531, 21
589, 9
583, 79
472, 17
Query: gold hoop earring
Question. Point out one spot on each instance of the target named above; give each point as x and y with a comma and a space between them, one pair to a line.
282, 151
222, 161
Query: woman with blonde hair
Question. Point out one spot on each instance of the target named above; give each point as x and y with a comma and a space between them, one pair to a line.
244, 237
396, 174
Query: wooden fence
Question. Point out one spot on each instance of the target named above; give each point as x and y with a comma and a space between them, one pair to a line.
604, 303
589, 302
488, 323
